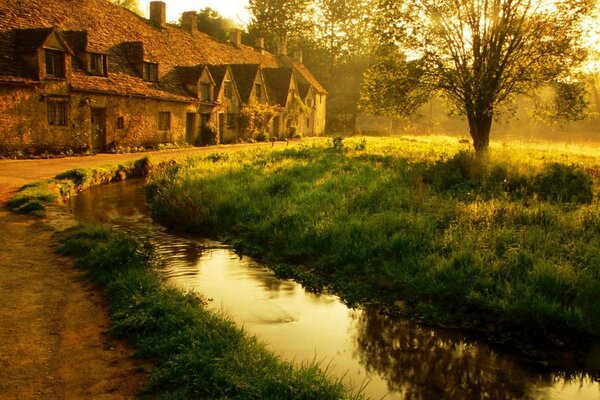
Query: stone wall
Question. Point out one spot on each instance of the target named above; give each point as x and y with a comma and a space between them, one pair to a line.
24, 126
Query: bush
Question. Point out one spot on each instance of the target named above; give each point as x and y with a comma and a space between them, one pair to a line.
563, 183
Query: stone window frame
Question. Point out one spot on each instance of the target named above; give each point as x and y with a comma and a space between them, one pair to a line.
258, 90
164, 121
97, 64
57, 113
120, 123
150, 71
230, 120
204, 91
55, 61
228, 89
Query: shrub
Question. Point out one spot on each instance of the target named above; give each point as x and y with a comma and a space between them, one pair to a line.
563, 183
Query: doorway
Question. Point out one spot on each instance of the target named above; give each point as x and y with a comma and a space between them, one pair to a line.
190, 128
98, 129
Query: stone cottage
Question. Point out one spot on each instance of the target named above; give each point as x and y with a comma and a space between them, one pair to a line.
87, 74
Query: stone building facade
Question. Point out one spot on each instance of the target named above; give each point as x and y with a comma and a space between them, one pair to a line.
87, 74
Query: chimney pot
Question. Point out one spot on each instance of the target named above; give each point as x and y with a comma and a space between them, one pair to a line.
189, 21
235, 37
158, 13
298, 55
260, 43
282, 48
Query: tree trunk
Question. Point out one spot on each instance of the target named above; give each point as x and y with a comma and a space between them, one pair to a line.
479, 127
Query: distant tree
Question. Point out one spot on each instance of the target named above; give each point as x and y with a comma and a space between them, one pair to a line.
214, 24
279, 20
478, 53
132, 5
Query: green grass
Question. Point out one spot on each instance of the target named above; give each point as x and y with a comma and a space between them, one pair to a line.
198, 354
507, 245
34, 197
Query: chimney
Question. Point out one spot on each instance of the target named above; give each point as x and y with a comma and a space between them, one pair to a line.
282, 48
158, 13
189, 21
235, 37
260, 43
298, 55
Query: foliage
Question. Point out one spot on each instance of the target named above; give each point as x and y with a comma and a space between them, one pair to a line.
197, 353
32, 199
480, 54
255, 119
132, 5
214, 24
209, 135
571, 101
278, 20
460, 239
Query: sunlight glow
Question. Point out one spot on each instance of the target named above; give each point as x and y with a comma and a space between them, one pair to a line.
237, 10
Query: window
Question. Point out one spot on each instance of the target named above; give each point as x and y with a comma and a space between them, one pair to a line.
205, 91
164, 121
97, 64
230, 120
56, 113
120, 124
55, 64
308, 122
258, 90
205, 118
150, 72
228, 89
309, 103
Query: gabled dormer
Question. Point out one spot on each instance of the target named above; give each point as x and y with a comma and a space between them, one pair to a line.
199, 82
226, 91
145, 64
250, 82
45, 52
93, 59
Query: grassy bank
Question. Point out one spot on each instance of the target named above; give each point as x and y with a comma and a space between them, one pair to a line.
508, 245
197, 353
33, 198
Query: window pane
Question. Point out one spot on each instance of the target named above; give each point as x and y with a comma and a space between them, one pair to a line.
61, 114
55, 64
228, 90
50, 111
204, 91
164, 121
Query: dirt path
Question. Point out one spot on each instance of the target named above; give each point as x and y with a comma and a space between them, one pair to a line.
52, 340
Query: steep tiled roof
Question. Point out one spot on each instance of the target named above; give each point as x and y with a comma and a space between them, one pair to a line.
244, 75
127, 38
218, 73
278, 84
304, 73
31, 39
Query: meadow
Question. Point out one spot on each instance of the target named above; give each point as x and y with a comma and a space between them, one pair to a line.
506, 245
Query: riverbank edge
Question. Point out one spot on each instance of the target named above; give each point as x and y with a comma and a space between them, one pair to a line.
170, 377
573, 356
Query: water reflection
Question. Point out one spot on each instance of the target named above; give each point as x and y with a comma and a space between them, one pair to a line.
400, 359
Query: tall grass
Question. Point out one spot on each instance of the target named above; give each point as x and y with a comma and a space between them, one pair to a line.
504, 245
198, 354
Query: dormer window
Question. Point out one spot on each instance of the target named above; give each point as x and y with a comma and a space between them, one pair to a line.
55, 64
258, 90
228, 89
205, 91
150, 72
97, 64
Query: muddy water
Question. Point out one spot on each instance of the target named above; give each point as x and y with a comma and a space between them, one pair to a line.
394, 358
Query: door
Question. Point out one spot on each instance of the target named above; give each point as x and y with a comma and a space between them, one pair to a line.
190, 128
221, 127
98, 130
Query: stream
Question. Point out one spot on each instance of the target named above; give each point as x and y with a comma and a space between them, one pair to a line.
394, 358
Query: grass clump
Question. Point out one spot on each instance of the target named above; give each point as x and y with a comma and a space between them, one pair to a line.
482, 243
198, 354
32, 198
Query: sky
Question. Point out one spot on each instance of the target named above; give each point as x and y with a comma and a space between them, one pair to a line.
237, 10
